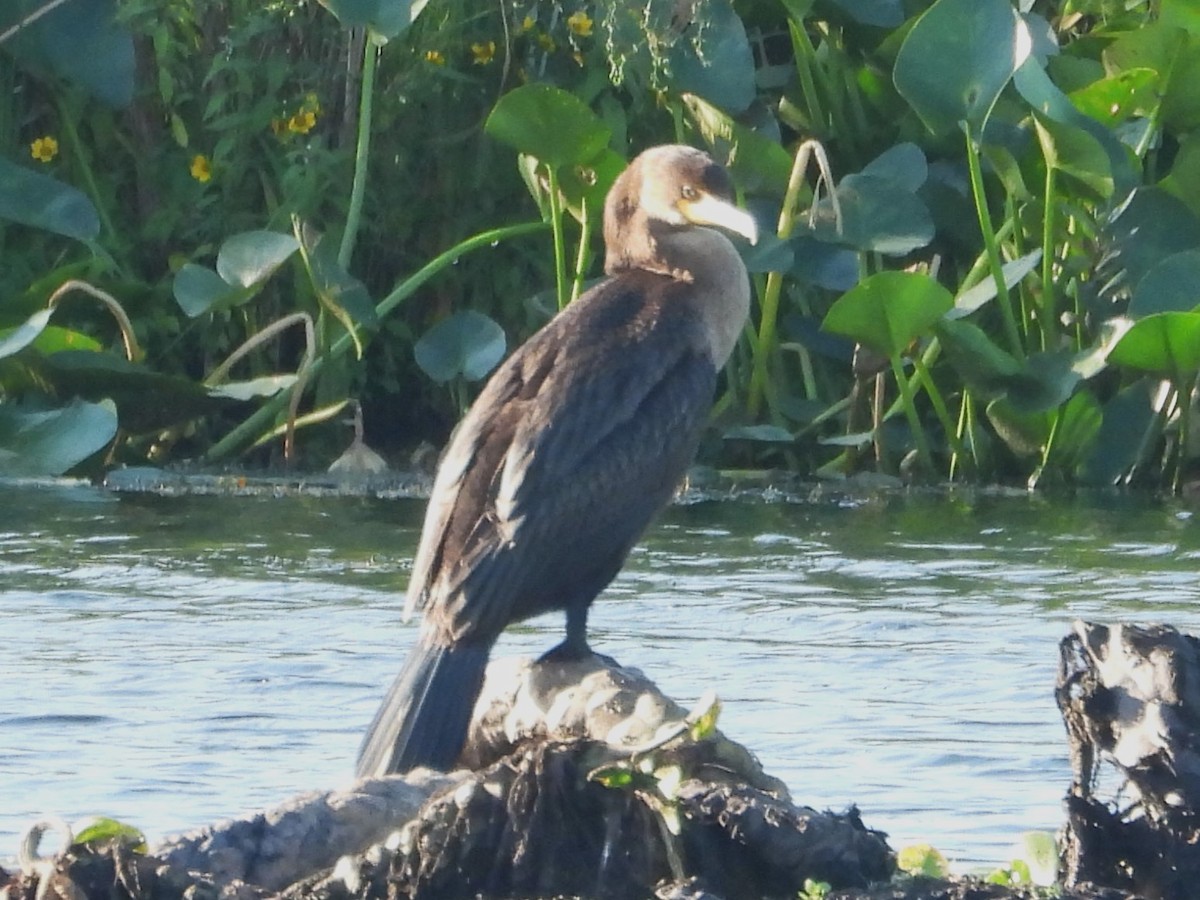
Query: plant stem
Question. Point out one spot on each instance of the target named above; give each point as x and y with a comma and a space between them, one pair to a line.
583, 257
560, 249
261, 419
939, 407
79, 153
1046, 307
362, 149
991, 244
910, 412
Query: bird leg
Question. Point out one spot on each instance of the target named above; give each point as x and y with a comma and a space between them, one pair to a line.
575, 646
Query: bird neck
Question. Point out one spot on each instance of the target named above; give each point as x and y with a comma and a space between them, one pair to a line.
704, 258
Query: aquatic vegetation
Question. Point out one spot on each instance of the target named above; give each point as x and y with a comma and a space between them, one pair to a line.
998, 282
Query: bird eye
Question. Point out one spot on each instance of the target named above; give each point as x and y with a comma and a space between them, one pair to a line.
687, 192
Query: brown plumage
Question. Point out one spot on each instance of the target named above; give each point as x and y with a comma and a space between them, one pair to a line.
576, 442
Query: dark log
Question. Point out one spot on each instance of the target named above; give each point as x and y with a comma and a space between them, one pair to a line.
1130, 697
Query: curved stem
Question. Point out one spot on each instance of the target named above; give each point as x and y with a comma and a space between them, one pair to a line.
910, 412
261, 419
133, 352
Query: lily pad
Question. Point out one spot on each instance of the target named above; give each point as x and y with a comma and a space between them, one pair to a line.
548, 123
889, 310
53, 441
1171, 286
957, 58
24, 334
1166, 344
387, 18
467, 344
715, 61
199, 290
40, 201
249, 258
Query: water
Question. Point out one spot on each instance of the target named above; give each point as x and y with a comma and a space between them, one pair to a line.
173, 661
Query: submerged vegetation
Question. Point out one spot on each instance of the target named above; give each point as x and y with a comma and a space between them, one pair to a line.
222, 222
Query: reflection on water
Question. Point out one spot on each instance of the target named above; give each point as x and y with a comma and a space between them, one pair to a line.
172, 661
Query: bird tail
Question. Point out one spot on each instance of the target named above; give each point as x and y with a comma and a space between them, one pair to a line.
424, 718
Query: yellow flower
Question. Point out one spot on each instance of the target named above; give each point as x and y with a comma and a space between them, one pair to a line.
435, 57
302, 122
528, 23
483, 53
580, 23
546, 42
201, 168
44, 149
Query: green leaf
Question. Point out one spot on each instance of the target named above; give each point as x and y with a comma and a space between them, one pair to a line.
80, 41
1174, 54
17, 339
266, 386
51, 442
467, 343
1013, 271
40, 201
1076, 153
922, 859
1126, 418
988, 370
101, 830
880, 13
880, 216
1032, 82
199, 290
1171, 286
957, 58
1166, 344
714, 61
547, 122
767, 434
889, 310
387, 18
1119, 97
343, 295
249, 258
904, 165
757, 162
1150, 227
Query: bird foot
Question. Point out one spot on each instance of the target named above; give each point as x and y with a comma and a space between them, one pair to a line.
574, 652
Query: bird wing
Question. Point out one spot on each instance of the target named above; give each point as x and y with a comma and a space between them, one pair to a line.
572, 447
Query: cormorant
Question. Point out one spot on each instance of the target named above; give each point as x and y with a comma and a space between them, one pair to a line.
576, 442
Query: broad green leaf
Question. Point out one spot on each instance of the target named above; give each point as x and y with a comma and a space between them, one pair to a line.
51, 442
548, 123
387, 18
40, 201
467, 344
1183, 181
957, 58
249, 258
1119, 97
903, 165
1171, 286
199, 290
889, 310
1166, 344
1078, 423
770, 254
1052, 380
988, 370
54, 339
922, 859
1076, 153
101, 830
1174, 53
1025, 433
757, 162
714, 61
1127, 416
1032, 82
1150, 227
16, 339
80, 41
880, 216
